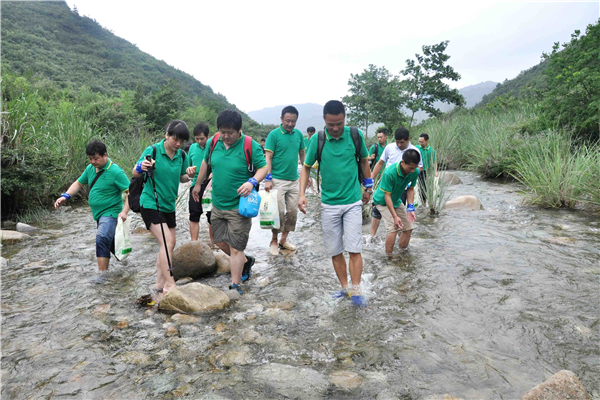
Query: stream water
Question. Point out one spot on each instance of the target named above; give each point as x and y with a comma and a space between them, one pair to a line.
485, 304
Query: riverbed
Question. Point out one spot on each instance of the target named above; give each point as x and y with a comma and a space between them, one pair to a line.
485, 304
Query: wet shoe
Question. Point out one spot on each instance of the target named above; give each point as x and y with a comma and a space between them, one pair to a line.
338, 294
247, 271
236, 286
287, 246
274, 250
101, 278
358, 300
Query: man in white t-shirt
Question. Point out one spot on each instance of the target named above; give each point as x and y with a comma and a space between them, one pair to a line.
392, 154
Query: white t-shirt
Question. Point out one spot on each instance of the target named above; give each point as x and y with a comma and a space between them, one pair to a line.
392, 154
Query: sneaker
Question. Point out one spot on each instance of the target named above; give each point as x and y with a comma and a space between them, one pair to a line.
358, 300
338, 294
287, 246
246, 272
236, 286
274, 250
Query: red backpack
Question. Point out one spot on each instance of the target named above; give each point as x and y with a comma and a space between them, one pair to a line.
247, 152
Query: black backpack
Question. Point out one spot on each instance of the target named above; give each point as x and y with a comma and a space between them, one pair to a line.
372, 162
355, 138
137, 185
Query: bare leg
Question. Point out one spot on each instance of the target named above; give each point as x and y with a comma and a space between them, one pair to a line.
404, 239
237, 261
339, 265
374, 225
274, 234
163, 265
194, 230
225, 247
103, 263
356, 266
284, 236
389, 243
210, 232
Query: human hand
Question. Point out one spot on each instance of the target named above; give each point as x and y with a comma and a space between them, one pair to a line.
191, 171
146, 165
59, 201
268, 186
366, 197
123, 216
411, 216
196, 193
245, 189
398, 222
302, 203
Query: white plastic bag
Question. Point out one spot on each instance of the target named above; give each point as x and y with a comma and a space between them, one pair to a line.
122, 245
269, 211
207, 198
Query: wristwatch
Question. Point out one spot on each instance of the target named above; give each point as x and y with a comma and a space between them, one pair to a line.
369, 191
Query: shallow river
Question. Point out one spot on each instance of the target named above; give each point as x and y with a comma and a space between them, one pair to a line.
485, 304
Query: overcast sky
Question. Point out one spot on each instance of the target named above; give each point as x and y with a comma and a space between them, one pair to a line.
268, 53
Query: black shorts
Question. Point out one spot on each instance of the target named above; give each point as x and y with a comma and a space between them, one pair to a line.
196, 207
150, 216
375, 212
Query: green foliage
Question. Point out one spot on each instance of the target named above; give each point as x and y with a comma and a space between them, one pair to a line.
573, 74
422, 85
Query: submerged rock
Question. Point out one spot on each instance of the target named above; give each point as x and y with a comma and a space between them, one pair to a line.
293, 382
194, 297
346, 379
21, 227
560, 386
467, 203
561, 240
222, 260
192, 260
183, 319
12, 237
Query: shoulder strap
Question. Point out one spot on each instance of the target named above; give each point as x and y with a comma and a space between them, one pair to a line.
376, 149
355, 138
248, 153
213, 143
320, 144
96, 178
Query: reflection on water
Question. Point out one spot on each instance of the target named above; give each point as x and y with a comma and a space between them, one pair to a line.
483, 305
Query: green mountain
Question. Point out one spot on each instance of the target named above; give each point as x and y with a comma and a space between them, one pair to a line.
72, 50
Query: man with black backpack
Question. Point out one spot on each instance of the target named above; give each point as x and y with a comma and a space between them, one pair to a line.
107, 183
342, 157
238, 165
376, 150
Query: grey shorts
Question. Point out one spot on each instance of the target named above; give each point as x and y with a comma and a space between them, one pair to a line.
342, 228
230, 227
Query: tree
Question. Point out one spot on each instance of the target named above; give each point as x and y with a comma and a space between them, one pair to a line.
573, 96
373, 98
422, 85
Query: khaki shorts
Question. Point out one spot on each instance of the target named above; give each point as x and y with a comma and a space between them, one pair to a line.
288, 193
230, 227
386, 215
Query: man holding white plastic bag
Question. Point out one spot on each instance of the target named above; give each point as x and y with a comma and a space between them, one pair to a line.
284, 145
231, 180
107, 183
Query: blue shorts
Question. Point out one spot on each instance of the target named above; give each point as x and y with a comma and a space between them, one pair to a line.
105, 236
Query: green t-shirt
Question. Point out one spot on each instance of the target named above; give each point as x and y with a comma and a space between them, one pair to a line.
196, 156
167, 172
230, 171
395, 183
285, 147
339, 169
427, 155
106, 197
379, 153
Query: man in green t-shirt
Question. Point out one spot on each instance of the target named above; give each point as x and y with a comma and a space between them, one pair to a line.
196, 155
310, 131
429, 160
107, 183
376, 150
284, 145
231, 179
341, 199
388, 200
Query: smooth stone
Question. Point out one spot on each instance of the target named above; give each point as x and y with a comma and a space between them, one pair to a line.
346, 379
183, 319
184, 281
223, 266
233, 295
133, 357
561, 240
12, 237
141, 231
21, 227
171, 331
188, 331
236, 357
194, 297
292, 382
562, 385
466, 203
193, 259
449, 177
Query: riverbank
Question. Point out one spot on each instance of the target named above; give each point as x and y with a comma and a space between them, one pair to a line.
486, 304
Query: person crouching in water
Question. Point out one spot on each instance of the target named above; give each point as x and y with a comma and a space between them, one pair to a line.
231, 179
388, 200
107, 182
169, 169
196, 156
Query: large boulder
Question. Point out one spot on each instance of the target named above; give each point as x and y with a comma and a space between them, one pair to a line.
12, 237
449, 178
464, 203
21, 227
192, 260
562, 385
223, 266
192, 298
